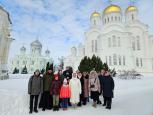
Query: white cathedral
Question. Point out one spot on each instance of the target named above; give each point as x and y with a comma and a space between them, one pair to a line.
34, 60
119, 39
5, 41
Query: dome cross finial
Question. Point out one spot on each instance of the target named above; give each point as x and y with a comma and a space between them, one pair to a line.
110, 1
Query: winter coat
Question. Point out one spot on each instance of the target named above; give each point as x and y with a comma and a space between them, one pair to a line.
47, 80
75, 87
85, 87
94, 81
35, 85
55, 87
65, 91
107, 85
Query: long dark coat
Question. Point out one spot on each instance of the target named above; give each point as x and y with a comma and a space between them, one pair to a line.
86, 88
107, 86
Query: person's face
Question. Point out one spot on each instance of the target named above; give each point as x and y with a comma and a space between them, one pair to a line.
84, 73
107, 73
102, 72
60, 72
56, 78
74, 75
36, 73
50, 71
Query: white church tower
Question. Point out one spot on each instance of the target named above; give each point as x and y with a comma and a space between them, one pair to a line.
5, 42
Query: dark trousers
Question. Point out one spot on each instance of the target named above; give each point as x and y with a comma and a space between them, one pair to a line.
64, 103
108, 101
47, 100
32, 97
81, 99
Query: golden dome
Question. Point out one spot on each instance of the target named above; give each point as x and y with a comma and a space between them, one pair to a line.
111, 9
95, 14
131, 8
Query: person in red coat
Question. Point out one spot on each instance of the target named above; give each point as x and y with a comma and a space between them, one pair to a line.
65, 94
55, 91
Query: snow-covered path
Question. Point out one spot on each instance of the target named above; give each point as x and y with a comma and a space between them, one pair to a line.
132, 97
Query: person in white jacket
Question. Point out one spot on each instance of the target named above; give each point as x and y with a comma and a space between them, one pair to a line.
75, 87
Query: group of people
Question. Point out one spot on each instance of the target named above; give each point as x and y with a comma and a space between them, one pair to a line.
69, 89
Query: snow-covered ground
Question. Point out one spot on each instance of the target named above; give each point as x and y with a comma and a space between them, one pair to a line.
132, 97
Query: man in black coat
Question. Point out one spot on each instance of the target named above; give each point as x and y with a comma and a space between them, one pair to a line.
107, 87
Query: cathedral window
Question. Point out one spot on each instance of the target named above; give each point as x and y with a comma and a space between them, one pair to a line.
119, 60
108, 19
109, 42
132, 16
105, 20
95, 22
114, 59
18, 62
115, 18
114, 41
133, 45
106, 58
92, 46
110, 60
137, 62
123, 60
95, 45
141, 62
119, 42
138, 43
112, 18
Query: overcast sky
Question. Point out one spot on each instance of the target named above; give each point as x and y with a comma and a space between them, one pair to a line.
60, 24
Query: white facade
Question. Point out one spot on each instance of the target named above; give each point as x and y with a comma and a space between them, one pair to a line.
118, 38
5, 41
34, 60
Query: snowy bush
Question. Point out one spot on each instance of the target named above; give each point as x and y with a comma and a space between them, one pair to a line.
129, 74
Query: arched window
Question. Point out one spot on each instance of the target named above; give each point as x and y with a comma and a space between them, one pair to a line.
95, 22
137, 62
109, 42
119, 42
110, 60
106, 58
138, 43
141, 62
119, 18
119, 60
133, 45
114, 41
132, 16
108, 19
105, 20
112, 18
95, 45
123, 60
92, 45
114, 59
115, 18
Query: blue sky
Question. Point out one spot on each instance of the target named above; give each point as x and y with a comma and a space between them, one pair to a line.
60, 24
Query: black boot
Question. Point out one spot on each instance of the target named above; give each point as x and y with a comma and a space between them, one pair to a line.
54, 108
30, 112
36, 111
57, 108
